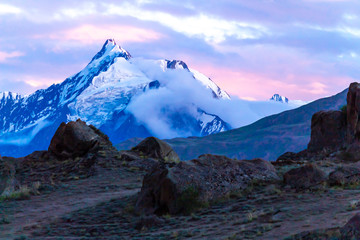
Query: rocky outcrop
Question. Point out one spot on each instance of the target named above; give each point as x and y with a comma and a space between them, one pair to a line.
345, 175
305, 177
150, 153
351, 230
7, 176
75, 139
193, 183
353, 110
153, 147
328, 131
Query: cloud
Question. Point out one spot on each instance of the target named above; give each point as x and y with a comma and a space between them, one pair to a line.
180, 92
212, 29
5, 56
9, 9
91, 34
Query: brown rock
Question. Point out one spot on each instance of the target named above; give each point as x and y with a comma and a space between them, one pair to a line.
353, 110
351, 230
7, 176
305, 177
191, 184
345, 175
75, 139
328, 131
153, 147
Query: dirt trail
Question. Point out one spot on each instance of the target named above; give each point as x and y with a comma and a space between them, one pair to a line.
27, 215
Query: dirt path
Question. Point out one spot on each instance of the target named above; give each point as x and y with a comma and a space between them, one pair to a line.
28, 215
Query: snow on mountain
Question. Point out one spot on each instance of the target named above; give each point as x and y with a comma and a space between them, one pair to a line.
105, 93
281, 99
277, 98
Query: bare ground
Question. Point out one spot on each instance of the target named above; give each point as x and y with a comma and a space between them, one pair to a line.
102, 207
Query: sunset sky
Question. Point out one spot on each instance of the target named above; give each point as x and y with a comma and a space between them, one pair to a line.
302, 49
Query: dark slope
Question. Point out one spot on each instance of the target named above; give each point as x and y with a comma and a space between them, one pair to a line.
267, 138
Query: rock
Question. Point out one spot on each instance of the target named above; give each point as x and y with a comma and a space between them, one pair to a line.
153, 147
305, 177
353, 110
192, 184
132, 159
148, 222
290, 158
345, 175
7, 176
351, 230
75, 139
328, 131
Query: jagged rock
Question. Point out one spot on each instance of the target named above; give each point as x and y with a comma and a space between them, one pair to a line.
353, 110
305, 177
75, 139
153, 147
345, 175
7, 176
193, 183
351, 230
328, 131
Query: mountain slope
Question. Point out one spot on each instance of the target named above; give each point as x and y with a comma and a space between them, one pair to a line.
105, 94
267, 138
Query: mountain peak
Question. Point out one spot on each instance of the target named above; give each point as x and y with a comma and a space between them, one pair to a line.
278, 98
111, 47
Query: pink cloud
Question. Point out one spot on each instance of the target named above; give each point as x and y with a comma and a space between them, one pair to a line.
4, 56
260, 86
90, 34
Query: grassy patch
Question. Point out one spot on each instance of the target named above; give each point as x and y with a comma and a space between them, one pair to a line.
23, 193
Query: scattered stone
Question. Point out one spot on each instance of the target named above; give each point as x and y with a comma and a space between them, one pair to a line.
351, 230
345, 175
305, 177
192, 184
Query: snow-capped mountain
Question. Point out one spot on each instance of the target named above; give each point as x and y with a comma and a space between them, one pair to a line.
277, 98
111, 94
293, 103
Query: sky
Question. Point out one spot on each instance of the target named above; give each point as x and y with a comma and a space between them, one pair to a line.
301, 49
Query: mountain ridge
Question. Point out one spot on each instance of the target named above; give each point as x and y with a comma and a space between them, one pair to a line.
101, 94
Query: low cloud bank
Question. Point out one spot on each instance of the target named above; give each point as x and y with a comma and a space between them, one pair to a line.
180, 92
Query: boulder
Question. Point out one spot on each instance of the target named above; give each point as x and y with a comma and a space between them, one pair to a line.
345, 175
132, 159
192, 184
351, 230
328, 131
353, 110
153, 147
7, 176
305, 177
75, 139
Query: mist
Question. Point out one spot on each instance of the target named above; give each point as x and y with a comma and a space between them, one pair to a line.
180, 92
